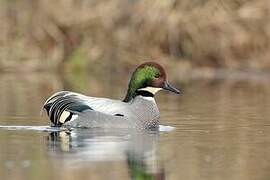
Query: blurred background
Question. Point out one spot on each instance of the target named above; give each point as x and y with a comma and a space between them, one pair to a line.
87, 35
216, 51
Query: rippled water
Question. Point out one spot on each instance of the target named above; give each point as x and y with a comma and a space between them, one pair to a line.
222, 131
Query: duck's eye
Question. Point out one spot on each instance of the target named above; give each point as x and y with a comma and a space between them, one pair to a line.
157, 76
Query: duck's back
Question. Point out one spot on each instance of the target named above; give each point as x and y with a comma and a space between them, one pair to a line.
77, 110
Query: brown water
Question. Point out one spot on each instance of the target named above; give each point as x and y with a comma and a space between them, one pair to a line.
222, 131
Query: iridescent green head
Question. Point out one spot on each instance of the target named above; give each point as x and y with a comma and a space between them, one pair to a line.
146, 80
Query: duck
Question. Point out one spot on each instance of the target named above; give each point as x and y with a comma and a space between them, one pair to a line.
137, 110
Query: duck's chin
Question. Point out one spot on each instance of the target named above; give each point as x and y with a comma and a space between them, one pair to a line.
152, 90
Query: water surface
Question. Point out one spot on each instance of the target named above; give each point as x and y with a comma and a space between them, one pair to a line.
222, 131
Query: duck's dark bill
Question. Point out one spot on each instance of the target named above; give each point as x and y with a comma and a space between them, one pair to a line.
169, 87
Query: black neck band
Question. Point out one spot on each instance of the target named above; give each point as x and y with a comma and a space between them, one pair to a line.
144, 93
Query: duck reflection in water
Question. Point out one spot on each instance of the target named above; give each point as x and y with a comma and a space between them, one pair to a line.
137, 150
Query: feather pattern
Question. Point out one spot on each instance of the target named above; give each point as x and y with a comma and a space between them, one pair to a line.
138, 109
60, 103
77, 110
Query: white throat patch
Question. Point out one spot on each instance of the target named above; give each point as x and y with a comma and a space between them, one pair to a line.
152, 90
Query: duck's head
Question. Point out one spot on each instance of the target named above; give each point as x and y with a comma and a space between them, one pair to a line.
148, 79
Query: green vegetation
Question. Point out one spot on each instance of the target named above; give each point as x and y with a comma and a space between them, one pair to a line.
41, 34
77, 61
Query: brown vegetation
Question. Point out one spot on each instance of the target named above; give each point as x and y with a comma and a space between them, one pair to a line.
40, 34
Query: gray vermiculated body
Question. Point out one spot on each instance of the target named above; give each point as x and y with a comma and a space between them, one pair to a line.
140, 112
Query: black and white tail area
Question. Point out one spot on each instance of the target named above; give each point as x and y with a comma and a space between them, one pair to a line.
64, 106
